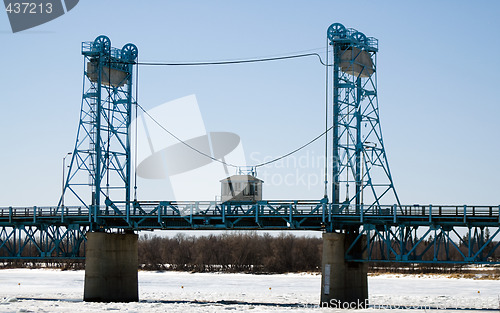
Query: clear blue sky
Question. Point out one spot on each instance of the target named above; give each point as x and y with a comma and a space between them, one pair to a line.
438, 71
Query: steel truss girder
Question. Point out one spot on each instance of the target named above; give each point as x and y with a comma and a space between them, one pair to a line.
42, 241
393, 234
295, 214
435, 244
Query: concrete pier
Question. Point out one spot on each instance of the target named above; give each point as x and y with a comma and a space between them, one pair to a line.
343, 284
111, 268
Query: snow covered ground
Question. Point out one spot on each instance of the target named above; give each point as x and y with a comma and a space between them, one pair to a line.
23, 290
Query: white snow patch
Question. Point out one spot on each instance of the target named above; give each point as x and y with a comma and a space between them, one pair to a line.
43, 290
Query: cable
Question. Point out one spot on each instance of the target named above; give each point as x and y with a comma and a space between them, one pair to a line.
108, 121
181, 141
223, 162
326, 124
293, 56
296, 150
135, 135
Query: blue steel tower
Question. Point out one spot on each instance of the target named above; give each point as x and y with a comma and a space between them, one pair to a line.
100, 169
361, 178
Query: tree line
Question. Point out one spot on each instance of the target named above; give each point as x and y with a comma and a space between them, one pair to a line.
236, 252
256, 253
253, 252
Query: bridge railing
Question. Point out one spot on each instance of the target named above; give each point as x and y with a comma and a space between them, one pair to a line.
261, 208
43, 211
416, 210
449, 210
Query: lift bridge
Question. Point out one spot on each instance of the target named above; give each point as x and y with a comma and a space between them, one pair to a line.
362, 206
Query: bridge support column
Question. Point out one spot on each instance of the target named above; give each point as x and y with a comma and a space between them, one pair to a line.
111, 268
343, 284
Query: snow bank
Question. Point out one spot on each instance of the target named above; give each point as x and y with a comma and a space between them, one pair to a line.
24, 290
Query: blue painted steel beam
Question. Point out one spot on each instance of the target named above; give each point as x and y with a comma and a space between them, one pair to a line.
303, 215
390, 230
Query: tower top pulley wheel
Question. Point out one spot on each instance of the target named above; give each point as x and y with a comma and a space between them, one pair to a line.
336, 30
360, 37
102, 44
129, 52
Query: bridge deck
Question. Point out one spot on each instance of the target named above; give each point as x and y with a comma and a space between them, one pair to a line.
269, 215
391, 231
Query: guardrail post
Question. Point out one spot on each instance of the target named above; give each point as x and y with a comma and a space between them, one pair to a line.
62, 214
394, 211
191, 215
256, 214
34, 214
223, 210
361, 213
127, 212
499, 214
329, 208
430, 213
465, 213
10, 214
323, 211
159, 214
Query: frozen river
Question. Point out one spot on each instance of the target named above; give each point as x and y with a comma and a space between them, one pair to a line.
42, 290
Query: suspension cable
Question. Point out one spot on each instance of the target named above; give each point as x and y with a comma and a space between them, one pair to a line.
326, 123
135, 135
223, 162
182, 141
256, 60
108, 126
296, 150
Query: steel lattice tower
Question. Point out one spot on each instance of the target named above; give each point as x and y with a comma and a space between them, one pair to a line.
100, 168
360, 175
